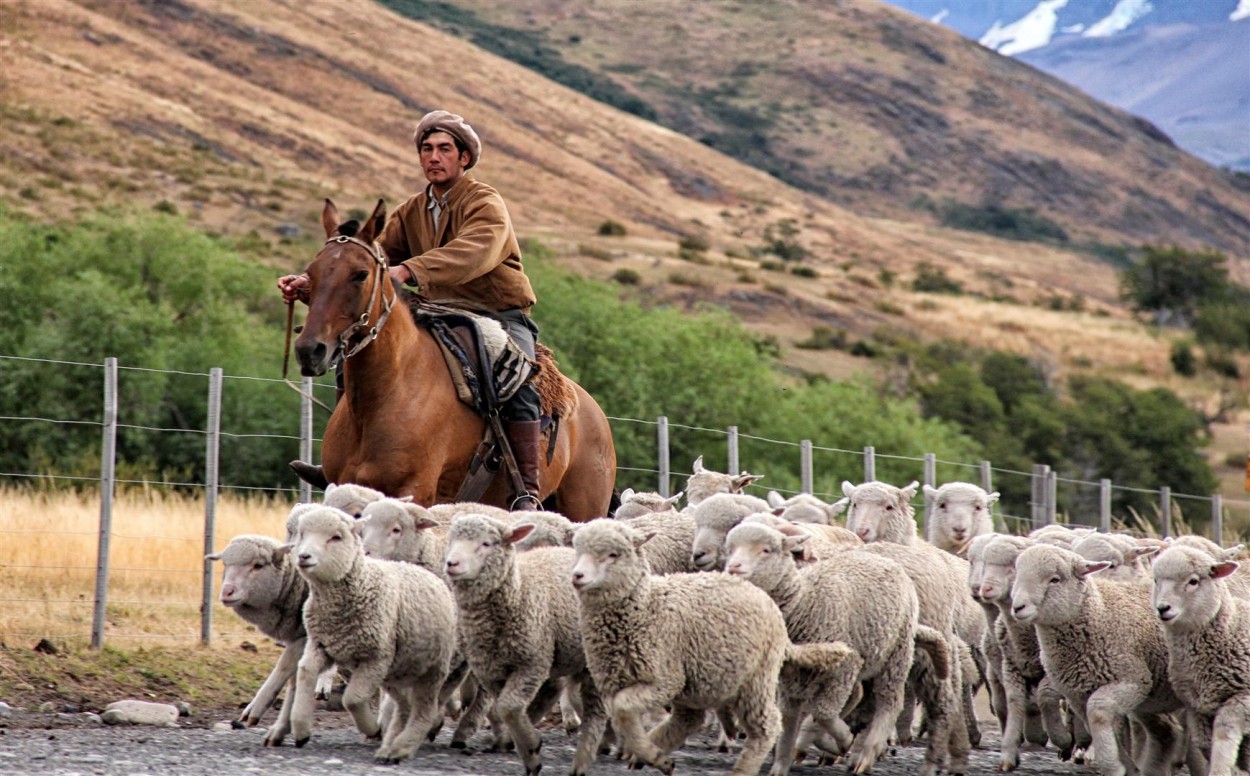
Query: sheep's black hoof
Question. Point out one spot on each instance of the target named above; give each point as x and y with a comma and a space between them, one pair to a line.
300, 742
238, 724
458, 744
534, 771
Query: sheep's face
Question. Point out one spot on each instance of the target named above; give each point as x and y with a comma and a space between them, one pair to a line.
704, 483
326, 548
251, 574
350, 498
976, 563
998, 573
758, 554
1187, 592
292, 520
957, 511
607, 557
1124, 558
1050, 585
637, 504
549, 531
380, 534
707, 552
478, 545
874, 505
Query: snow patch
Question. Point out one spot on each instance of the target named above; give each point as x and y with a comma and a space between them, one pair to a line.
1033, 31
1242, 11
941, 15
1125, 13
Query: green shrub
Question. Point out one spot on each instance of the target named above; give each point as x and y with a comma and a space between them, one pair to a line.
692, 243
593, 252
805, 272
686, 279
934, 280
887, 277
611, 228
692, 256
627, 277
1003, 222
1183, 361
824, 338
1222, 363
773, 266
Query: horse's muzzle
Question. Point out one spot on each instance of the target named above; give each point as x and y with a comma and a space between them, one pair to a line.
315, 358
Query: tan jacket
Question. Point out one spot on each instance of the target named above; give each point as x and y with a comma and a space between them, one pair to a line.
473, 260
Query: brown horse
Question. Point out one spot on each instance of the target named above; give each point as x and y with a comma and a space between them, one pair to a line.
400, 427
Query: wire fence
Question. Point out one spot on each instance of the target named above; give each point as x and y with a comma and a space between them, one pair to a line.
129, 575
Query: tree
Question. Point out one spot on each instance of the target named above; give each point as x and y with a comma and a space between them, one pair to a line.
1172, 283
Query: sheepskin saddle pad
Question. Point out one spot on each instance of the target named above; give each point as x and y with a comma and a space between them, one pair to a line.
463, 336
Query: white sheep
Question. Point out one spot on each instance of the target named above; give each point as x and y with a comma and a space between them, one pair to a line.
868, 603
1059, 535
550, 529
638, 503
820, 541
350, 497
1208, 642
260, 585
805, 508
1126, 558
960, 511
1102, 648
713, 518
704, 483
518, 627
879, 512
989, 644
1238, 582
672, 535
390, 625
399, 530
688, 641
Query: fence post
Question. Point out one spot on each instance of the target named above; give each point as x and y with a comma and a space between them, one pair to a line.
1217, 519
305, 434
1052, 494
987, 485
1104, 506
870, 463
1165, 512
732, 465
108, 462
661, 433
930, 479
212, 450
805, 465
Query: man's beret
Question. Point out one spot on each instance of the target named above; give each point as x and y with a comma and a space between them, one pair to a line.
442, 121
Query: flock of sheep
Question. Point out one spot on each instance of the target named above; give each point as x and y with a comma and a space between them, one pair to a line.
805, 637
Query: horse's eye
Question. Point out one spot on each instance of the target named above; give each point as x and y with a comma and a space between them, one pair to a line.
360, 277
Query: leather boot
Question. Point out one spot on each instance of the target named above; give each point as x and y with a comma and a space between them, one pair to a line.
310, 472
525, 439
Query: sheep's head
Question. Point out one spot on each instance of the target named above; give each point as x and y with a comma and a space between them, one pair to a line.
389, 526
1051, 585
481, 547
350, 497
998, 565
252, 571
704, 483
608, 561
761, 554
976, 563
1206, 545
550, 530
878, 511
639, 503
1122, 554
325, 546
957, 509
1187, 592
713, 519
292, 519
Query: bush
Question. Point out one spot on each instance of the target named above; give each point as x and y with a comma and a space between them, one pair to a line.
593, 252
805, 272
1183, 361
1173, 283
627, 277
692, 243
686, 279
1008, 223
933, 280
611, 228
824, 338
773, 266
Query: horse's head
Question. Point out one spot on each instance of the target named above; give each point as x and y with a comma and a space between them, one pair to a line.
350, 292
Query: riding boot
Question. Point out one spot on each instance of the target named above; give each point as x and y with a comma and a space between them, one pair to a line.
524, 437
310, 472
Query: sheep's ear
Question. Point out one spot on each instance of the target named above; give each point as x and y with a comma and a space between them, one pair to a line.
283, 550
744, 479
627, 493
1139, 552
1223, 569
672, 500
330, 489
847, 488
405, 499
789, 529
838, 507
643, 538
424, 522
358, 528
1231, 552
519, 532
775, 500
698, 465
1084, 568
779, 510
213, 556
909, 492
930, 491
795, 544
991, 498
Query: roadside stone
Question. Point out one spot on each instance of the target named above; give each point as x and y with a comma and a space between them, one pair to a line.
184, 709
222, 727
288, 229
46, 707
5, 709
94, 719
132, 712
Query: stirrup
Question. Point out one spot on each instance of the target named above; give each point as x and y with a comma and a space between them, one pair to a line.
519, 503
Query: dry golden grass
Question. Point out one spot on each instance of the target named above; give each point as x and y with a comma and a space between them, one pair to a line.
48, 561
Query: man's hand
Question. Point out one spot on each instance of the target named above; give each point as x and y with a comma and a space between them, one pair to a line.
402, 275
294, 287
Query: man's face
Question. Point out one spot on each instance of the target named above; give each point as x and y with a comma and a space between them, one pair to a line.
440, 159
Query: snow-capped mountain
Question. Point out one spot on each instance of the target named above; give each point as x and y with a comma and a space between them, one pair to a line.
1182, 64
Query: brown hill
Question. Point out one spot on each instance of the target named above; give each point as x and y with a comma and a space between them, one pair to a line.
876, 110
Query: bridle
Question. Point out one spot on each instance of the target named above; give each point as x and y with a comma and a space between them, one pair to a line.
380, 278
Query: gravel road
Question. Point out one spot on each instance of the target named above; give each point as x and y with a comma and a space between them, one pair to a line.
36, 743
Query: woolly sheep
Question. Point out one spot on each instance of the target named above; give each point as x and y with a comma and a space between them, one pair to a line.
805, 508
261, 586
704, 483
1124, 556
713, 518
672, 535
390, 625
1059, 535
350, 497
989, 645
391, 529
518, 627
1103, 650
879, 512
638, 503
865, 601
820, 541
550, 529
645, 650
960, 511
1238, 582
1208, 642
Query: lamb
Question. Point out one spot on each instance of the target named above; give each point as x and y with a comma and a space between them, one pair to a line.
713, 518
391, 529
390, 625
638, 503
879, 512
1125, 557
260, 585
805, 508
518, 628
825, 602
820, 541
350, 497
1059, 535
704, 483
672, 535
989, 644
960, 512
645, 650
550, 529
1207, 632
1238, 582
1102, 649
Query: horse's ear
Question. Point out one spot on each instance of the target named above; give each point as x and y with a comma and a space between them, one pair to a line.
330, 218
373, 227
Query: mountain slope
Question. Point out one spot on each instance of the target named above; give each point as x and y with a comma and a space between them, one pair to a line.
872, 108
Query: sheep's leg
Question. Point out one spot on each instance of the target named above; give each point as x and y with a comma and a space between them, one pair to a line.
960, 728
593, 724
1049, 703
792, 715
361, 695
902, 726
282, 726
281, 674
570, 699
1106, 708
545, 700
1232, 722
1163, 740
756, 709
422, 700
626, 709
887, 703
1034, 722
1017, 702
393, 716
477, 703
312, 663
998, 693
512, 706
1198, 732
673, 732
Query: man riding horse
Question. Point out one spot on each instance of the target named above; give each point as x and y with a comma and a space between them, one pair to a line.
454, 243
